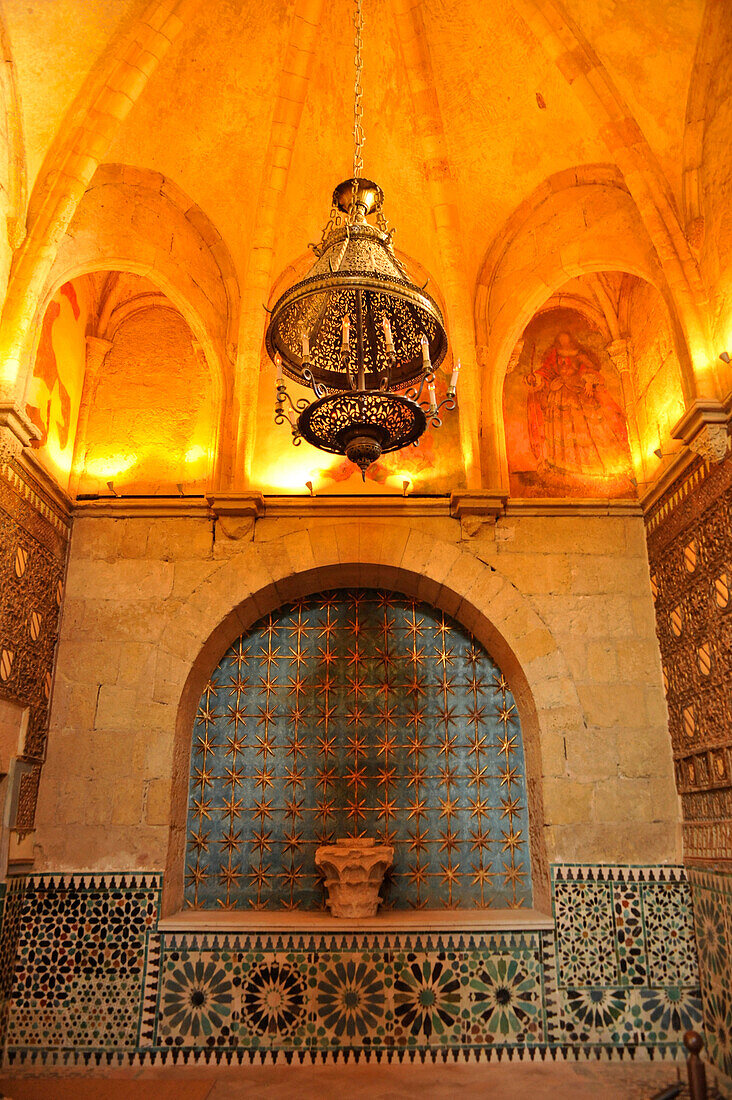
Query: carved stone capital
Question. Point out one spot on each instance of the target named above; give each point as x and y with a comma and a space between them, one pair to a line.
354, 871
711, 442
236, 513
704, 429
97, 350
483, 505
16, 430
619, 350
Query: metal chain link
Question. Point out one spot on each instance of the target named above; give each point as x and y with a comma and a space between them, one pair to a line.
358, 135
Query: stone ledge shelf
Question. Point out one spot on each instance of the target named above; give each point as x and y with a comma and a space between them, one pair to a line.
306, 921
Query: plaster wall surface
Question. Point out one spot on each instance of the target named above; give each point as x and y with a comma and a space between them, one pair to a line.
568, 597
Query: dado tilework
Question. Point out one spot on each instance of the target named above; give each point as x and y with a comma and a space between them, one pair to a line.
712, 894
81, 961
357, 713
97, 982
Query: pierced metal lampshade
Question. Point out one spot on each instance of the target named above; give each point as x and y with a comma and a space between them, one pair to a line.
356, 330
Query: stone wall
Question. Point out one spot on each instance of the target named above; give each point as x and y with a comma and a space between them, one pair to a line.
561, 602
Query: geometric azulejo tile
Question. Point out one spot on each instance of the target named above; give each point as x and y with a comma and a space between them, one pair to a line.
353, 999
90, 983
597, 1014
80, 960
666, 1012
428, 1001
670, 942
96, 1013
629, 934
585, 940
275, 1001
199, 1002
505, 999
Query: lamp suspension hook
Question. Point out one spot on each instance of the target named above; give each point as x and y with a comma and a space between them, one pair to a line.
358, 134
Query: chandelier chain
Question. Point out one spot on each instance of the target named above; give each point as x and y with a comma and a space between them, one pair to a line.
358, 135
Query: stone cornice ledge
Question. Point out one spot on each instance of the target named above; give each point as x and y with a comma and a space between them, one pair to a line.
17, 423
572, 506
302, 922
378, 506
703, 410
121, 507
704, 428
241, 505
483, 505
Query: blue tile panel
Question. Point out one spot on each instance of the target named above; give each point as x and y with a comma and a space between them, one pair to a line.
357, 713
97, 983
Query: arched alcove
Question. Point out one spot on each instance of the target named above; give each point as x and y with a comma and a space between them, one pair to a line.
357, 712
511, 648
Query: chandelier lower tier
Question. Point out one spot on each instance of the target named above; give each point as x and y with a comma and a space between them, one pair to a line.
362, 336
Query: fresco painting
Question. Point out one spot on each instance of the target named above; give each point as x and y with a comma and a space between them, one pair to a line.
566, 431
54, 392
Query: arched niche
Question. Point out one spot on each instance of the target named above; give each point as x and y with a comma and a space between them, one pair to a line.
504, 647
121, 389
136, 221
578, 223
357, 712
564, 410
596, 417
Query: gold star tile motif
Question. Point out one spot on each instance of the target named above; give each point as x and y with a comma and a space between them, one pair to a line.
204, 743
239, 656
357, 713
199, 841
234, 776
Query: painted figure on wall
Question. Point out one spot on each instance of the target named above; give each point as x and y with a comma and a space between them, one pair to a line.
565, 427
575, 426
58, 374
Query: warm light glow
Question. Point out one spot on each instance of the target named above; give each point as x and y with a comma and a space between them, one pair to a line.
111, 466
60, 459
9, 372
289, 472
396, 481
195, 453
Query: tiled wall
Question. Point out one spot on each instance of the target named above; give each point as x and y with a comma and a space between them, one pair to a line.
357, 712
712, 895
95, 981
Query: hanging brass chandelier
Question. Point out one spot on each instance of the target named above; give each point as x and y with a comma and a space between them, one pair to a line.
357, 331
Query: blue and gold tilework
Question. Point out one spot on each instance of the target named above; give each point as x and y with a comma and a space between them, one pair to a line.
357, 713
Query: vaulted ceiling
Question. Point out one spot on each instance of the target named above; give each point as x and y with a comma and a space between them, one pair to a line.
520, 143
509, 116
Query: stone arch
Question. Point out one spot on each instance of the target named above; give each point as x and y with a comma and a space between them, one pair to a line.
595, 89
124, 224
15, 181
587, 222
268, 575
104, 101
707, 175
